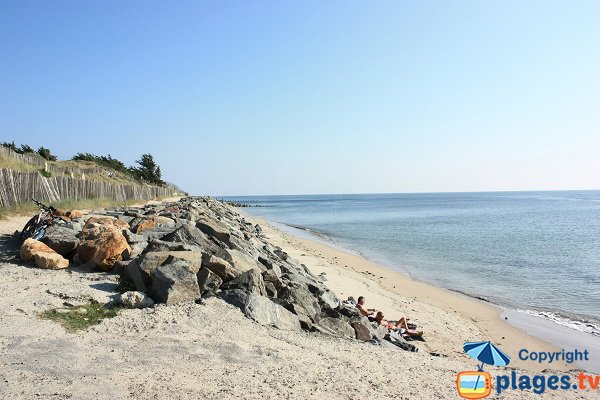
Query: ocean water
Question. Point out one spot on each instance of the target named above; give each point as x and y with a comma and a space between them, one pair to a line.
538, 252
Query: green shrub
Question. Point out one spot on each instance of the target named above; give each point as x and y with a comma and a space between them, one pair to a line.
82, 317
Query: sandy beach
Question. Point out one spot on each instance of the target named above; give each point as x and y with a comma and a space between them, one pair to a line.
212, 351
449, 318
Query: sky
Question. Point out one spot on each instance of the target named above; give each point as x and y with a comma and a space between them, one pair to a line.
300, 97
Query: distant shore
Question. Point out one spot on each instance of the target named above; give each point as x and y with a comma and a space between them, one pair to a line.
385, 288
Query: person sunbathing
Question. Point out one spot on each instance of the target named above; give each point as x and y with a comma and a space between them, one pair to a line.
401, 324
365, 312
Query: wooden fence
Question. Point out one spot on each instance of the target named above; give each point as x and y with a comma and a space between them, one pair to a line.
20, 186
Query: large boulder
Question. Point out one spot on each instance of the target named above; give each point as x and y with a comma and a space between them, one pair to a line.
262, 310
242, 261
97, 225
144, 225
105, 250
302, 303
327, 298
31, 247
192, 236
62, 240
141, 270
161, 221
133, 238
213, 227
174, 283
349, 311
335, 327
50, 260
220, 267
361, 330
270, 265
102, 242
250, 281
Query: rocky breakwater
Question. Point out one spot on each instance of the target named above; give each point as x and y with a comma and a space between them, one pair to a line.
200, 247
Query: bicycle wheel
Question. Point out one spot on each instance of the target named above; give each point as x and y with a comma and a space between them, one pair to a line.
29, 229
38, 234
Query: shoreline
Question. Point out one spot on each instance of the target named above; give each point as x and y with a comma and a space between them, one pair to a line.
559, 318
509, 328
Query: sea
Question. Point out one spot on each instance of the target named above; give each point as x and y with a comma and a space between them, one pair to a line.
537, 253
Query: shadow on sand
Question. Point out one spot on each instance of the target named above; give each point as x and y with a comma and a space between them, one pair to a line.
9, 249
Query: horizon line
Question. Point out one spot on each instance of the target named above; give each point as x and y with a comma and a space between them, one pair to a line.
386, 193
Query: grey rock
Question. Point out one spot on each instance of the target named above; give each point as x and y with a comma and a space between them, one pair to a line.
301, 302
236, 297
191, 235
74, 224
271, 277
250, 281
377, 331
161, 245
62, 240
361, 330
141, 270
132, 238
134, 299
208, 281
125, 218
270, 265
214, 228
219, 266
174, 283
262, 310
157, 232
329, 299
281, 254
335, 327
349, 311
271, 289
242, 261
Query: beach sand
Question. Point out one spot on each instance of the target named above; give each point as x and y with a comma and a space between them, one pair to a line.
211, 351
448, 318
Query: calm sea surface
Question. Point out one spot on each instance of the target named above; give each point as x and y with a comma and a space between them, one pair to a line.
532, 251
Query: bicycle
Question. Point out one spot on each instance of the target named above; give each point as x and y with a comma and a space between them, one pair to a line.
37, 225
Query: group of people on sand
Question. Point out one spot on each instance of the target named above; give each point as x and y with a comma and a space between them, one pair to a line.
406, 329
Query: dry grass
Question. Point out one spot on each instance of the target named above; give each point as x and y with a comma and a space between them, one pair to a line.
64, 168
17, 165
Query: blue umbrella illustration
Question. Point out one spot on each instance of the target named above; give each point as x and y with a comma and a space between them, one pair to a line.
487, 353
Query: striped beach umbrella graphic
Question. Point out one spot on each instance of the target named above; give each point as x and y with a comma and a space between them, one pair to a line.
486, 353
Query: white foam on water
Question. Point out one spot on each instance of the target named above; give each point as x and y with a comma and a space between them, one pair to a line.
586, 326
560, 335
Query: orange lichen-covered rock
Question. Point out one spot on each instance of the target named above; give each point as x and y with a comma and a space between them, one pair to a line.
50, 261
73, 214
43, 255
30, 247
147, 224
103, 243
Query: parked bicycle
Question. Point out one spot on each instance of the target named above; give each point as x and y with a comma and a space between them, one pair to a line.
37, 225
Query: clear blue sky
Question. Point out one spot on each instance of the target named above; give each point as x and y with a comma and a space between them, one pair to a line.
285, 97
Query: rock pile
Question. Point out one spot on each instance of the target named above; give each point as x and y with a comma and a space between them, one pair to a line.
199, 247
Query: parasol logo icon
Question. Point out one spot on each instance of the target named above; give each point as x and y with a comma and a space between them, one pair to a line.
478, 384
